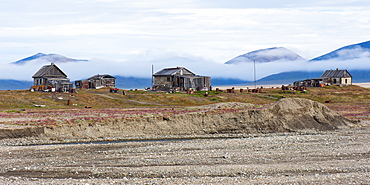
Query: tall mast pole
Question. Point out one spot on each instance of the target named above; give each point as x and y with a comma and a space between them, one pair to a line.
152, 75
254, 70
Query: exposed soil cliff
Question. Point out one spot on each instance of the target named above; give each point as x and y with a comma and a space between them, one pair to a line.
286, 115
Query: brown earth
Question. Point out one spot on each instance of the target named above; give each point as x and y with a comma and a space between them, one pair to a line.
293, 141
286, 115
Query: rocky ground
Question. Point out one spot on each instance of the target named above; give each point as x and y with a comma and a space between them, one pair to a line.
293, 141
327, 157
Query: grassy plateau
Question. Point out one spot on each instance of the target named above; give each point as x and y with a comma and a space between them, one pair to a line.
23, 107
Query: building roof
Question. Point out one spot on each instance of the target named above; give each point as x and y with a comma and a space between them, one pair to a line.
100, 77
336, 74
172, 71
45, 69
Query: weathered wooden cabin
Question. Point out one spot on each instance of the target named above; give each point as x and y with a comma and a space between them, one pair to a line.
51, 78
329, 77
337, 77
180, 79
97, 82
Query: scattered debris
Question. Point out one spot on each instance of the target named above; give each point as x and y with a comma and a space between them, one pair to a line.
114, 90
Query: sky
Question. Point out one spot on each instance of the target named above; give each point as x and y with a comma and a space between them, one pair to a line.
125, 37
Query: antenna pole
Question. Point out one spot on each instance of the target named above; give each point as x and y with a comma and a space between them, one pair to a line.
254, 70
152, 74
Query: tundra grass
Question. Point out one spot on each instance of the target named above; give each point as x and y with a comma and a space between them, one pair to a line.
353, 99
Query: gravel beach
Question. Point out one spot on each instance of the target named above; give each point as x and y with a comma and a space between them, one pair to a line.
327, 157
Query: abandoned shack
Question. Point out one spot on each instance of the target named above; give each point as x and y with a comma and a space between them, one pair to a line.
329, 77
180, 79
51, 78
96, 82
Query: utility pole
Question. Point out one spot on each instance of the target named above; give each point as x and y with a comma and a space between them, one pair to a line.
152, 75
254, 70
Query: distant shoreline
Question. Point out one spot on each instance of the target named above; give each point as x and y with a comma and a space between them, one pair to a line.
367, 84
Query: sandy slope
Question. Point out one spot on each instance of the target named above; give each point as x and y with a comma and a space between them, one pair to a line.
286, 115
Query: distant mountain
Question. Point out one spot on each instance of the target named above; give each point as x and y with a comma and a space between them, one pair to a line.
47, 58
274, 79
226, 81
267, 55
140, 83
15, 85
289, 77
347, 52
124, 82
359, 76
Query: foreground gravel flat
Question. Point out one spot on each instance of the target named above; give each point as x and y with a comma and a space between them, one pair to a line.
335, 157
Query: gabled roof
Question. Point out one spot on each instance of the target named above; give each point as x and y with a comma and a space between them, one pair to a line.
336, 74
43, 71
100, 77
173, 71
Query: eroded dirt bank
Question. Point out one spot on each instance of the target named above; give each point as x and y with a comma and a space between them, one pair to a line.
287, 115
294, 141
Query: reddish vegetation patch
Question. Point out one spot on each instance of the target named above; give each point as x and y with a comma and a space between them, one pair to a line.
354, 112
75, 116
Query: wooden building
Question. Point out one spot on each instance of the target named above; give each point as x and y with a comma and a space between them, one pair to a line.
51, 78
180, 79
329, 77
97, 82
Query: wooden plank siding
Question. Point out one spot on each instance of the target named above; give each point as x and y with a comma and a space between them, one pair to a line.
180, 79
51, 78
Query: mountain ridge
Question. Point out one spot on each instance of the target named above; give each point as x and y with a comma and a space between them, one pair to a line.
287, 77
266, 55
352, 51
50, 58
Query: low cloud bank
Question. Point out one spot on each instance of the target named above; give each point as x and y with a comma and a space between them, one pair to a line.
141, 66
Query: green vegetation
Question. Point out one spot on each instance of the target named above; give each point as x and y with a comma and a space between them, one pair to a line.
346, 100
102, 98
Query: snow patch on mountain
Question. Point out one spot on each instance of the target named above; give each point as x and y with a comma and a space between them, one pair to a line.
47, 58
267, 55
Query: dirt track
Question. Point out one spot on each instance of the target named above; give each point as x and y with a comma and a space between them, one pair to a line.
332, 157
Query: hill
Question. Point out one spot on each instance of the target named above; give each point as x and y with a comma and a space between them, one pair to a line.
125, 82
353, 51
267, 55
15, 84
122, 82
47, 58
259, 56
288, 77
359, 76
